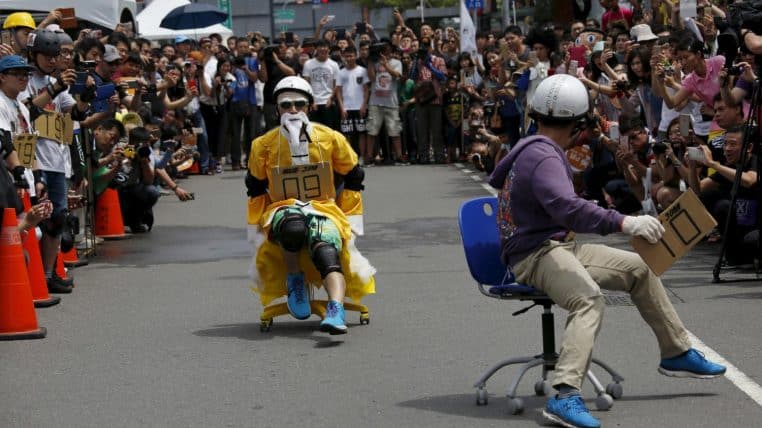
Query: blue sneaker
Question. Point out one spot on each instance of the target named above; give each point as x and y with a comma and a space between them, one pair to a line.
569, 412
298, 301
691, 364
334, 319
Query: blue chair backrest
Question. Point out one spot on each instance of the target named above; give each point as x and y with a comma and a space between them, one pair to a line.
478, 231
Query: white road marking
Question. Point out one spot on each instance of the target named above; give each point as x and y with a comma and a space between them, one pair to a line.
733, 374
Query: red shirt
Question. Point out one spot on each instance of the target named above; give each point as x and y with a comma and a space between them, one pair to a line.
616, 14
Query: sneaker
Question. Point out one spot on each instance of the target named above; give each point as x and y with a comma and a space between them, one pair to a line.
218, 169
334, 319
690, 364
569, 412
56, 286
298, 301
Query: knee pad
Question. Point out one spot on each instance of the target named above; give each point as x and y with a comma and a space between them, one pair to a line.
54, 226
326, 258
292, 231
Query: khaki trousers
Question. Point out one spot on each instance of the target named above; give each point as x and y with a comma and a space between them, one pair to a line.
573, 274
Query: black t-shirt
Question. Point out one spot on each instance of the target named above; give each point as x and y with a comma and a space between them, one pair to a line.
746, 201
274, 75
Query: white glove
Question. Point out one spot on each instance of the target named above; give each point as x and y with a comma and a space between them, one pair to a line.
646, 226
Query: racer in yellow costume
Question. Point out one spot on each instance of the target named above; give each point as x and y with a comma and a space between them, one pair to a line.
309, 239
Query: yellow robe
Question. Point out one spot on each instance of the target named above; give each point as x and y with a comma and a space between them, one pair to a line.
269, 270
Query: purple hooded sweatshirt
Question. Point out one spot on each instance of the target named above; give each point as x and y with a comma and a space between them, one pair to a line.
537, 200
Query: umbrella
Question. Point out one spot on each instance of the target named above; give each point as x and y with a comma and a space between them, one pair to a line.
193, 15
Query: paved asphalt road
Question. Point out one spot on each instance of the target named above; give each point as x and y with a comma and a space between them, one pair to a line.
162, 331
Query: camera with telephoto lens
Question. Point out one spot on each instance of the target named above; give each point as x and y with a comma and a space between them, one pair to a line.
659, 148
620, 85
375, 50
270, 50
735, 70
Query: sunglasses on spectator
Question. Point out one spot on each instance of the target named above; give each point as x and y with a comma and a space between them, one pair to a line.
286, 105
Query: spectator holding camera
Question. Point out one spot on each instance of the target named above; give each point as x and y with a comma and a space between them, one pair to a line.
135, 182
385, 74
669, 167
429, 73
276, 67
715, 191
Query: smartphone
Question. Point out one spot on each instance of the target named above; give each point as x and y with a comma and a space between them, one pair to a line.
330, 18
7, 38
532, 56
359, 28
95, 34
68, 18
685, 123
573, 64
695, 153
504, 49
614, 131
79, 84
289, 37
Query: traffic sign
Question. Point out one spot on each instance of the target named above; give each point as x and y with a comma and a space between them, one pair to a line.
284, 16
474, 4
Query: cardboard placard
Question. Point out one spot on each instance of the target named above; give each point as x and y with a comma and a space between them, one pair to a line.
68, 18
302, 182
25, 145
55, 126
686, 222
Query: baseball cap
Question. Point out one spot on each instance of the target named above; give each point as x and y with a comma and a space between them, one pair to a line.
111, 54
12, 62
181, 39
203, 40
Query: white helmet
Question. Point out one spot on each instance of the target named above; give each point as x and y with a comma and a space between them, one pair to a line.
560, 97
293, 83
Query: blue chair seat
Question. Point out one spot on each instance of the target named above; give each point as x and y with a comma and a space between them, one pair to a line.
516, 290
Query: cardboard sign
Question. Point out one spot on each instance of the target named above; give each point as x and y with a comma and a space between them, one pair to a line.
25, 145
55, 126
302, 182
68, 18
686, 222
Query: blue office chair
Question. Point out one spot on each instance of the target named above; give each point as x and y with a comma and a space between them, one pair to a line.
478, 230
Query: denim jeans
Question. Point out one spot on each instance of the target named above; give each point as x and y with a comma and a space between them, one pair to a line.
56, 186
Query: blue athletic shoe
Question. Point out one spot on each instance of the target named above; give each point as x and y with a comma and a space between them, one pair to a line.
298, 301
691, 364
569, 412
334, 319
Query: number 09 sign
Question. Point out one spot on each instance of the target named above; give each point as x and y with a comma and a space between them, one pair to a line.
25, 145
302, 182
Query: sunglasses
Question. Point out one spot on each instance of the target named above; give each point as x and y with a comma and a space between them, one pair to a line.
286, 105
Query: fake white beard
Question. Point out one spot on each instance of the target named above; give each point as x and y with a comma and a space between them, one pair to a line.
293, 125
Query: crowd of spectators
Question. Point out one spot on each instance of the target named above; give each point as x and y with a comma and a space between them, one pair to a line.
143, 112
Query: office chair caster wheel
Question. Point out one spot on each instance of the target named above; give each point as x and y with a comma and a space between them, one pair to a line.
604, 402
542, 388
364, 318
614, 390
266, 325
481, 397
515, 406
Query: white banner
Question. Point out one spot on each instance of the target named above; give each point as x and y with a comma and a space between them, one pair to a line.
467, 31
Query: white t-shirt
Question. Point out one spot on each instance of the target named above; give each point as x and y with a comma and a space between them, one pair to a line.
384, 90
51, 156
210, 70
9, 115
322, 77
353, 84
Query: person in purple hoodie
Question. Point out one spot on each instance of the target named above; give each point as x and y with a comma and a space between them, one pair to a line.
537, 212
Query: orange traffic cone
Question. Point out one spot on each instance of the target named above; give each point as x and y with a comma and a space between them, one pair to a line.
71, 259
37, 282
108, 216
194, 169
60, 270
17, 317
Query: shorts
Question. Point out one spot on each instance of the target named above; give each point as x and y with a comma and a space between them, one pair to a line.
354, 123
378, 116
319, 228
56, 186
